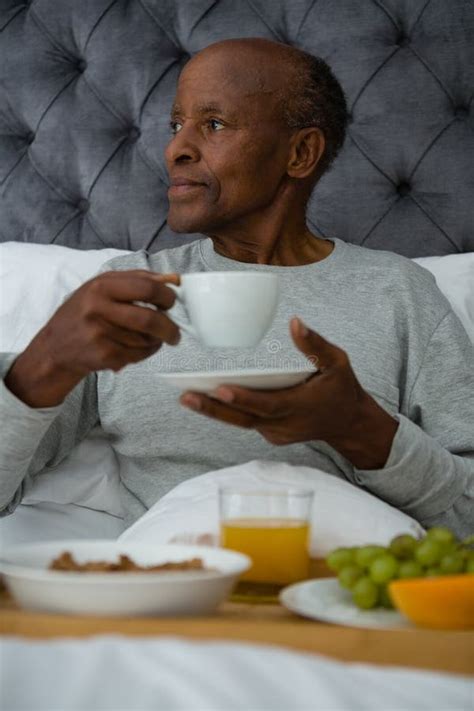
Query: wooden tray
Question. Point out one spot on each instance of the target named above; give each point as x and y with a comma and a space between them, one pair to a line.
266, 624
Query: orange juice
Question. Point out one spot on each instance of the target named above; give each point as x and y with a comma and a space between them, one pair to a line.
278, 548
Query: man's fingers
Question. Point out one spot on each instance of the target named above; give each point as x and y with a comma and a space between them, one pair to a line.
124, 355
151, 325
123, 336
257, 402
171, 277
321, 353
136, 285
167, 278
217, 411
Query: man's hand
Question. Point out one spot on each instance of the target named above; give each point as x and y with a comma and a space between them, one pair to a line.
99, 327
330, 406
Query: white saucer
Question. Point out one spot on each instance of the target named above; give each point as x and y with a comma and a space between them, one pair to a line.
207, 381
325, 600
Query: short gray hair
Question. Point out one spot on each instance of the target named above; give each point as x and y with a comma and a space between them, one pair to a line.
315, 98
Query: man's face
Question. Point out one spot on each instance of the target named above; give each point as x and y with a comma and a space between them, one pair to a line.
229, 151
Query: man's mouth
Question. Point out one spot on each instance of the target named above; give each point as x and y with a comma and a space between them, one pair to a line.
182, 187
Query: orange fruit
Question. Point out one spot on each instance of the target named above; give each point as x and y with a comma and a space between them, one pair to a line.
444, 602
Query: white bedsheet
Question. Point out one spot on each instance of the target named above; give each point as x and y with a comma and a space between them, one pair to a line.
342, 514
122, 674
52, 522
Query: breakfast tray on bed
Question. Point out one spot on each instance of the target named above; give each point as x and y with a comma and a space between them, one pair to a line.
264, 624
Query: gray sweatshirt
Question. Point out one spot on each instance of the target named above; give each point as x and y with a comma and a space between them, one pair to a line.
406, 346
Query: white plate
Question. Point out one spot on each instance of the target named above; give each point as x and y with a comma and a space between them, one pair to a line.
325, 600
206, 381
26, 574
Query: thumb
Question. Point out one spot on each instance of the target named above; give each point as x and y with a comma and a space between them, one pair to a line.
320, 352
166, 278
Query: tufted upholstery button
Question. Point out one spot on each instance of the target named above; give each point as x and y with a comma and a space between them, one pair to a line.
81, 65
83, 205
461, 112
29, 138
350, 118
134, 134
403, 40
403, 189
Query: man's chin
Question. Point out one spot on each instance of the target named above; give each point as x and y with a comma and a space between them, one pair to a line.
187, 223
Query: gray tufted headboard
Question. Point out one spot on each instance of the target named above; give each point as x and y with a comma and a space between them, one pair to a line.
86, 87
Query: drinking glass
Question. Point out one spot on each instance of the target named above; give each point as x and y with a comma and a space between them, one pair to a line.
272, 527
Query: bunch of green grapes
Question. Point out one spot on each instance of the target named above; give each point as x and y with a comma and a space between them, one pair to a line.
366, 571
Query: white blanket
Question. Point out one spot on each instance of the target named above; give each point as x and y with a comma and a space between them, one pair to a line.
341, 515
167, 674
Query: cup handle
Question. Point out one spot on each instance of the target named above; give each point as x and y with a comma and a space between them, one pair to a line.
186, 327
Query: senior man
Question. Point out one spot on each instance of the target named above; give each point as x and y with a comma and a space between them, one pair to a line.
391, 409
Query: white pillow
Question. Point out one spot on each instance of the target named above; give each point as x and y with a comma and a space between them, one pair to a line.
454, 276
342, 514
34, 280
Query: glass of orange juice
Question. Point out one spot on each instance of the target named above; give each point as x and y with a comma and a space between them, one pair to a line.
272, 527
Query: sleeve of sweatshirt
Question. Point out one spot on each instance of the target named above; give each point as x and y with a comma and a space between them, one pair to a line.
429, 473
34, 439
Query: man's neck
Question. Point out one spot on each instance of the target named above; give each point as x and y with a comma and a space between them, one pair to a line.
288, 251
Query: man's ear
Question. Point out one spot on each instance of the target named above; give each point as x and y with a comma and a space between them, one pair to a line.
307, 147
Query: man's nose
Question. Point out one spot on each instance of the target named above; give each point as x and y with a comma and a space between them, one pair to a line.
183, 147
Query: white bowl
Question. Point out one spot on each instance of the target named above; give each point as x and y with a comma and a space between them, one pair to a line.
34, 587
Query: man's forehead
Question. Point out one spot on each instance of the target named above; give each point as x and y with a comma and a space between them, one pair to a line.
234, 107
222, 81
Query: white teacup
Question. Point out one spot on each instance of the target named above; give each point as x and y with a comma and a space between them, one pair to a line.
227, 309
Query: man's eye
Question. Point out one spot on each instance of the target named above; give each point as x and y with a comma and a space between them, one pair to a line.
215, 124
175, 126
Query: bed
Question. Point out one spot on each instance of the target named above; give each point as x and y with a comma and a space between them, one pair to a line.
85, 92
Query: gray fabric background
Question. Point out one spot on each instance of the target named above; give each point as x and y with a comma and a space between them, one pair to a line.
86, 86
